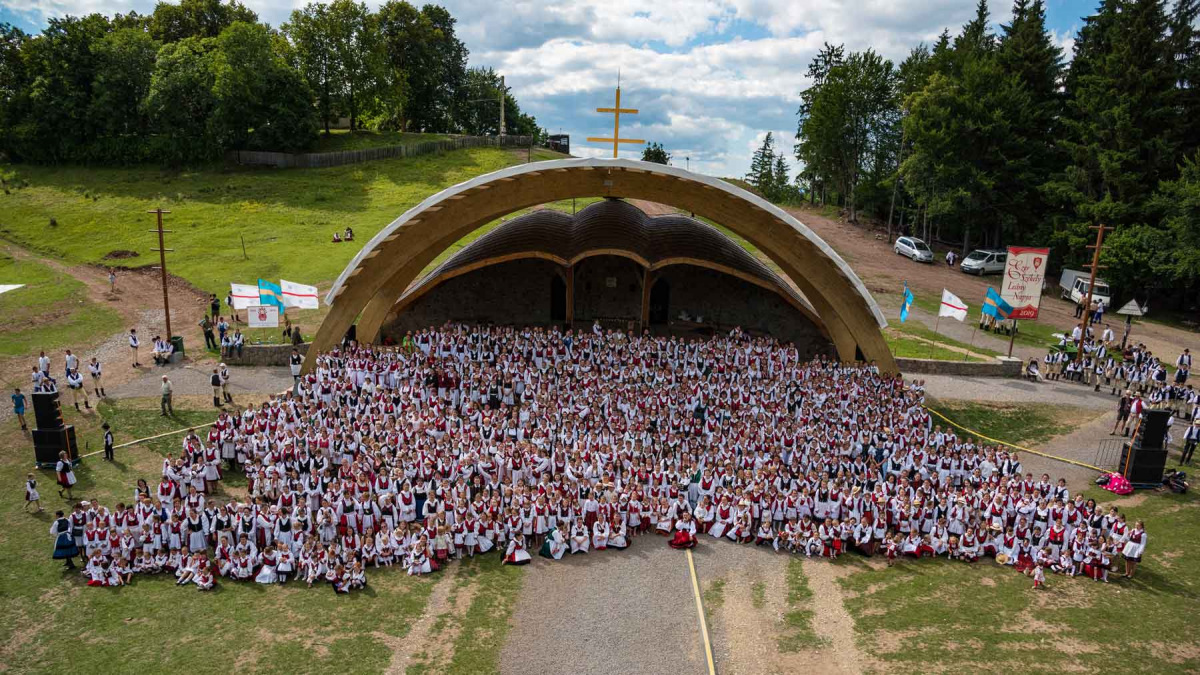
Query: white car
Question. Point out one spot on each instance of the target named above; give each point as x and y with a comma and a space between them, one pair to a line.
984, 261
913, 248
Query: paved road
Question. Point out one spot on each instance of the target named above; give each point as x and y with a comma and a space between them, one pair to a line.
626, 611
1015, 390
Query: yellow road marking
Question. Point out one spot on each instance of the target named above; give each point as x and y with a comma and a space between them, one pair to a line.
712, 669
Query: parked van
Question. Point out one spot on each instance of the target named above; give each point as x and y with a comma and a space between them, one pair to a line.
983, 261
1074, 285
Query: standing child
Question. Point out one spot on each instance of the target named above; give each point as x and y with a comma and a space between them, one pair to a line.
31, 493
18, 401
1039, 577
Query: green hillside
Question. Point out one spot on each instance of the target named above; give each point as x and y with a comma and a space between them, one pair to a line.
286, 217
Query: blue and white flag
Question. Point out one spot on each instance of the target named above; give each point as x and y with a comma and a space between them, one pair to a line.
995, 306
270, 294
908, 301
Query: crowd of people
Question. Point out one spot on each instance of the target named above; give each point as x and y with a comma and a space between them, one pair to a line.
465, 440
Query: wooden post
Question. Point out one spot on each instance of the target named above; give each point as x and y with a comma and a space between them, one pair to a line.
647, 280
570, 295
162, 259
1087, 303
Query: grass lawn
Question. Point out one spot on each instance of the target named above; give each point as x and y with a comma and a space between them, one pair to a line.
342, 139
1018, 423
942, 616
285, 216
52, 310
798, 633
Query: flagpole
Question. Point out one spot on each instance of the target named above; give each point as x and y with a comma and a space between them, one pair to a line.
974, 331
935, 330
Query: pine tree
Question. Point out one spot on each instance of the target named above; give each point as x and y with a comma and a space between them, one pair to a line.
762, 165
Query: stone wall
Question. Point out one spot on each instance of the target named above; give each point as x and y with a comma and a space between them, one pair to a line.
729, 301
264, 355
594, 298
518, 293
515, 292
1001, 366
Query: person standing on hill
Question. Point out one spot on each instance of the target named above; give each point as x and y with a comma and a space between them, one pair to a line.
215, 305
296, 361
134, 344
72, 363
215, 381
206, 325
108, 441
18, 401
167, 389
75, 384
97, 378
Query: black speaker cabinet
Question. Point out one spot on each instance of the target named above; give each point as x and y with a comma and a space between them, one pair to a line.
47, 410
1143, 465
1152, 433
47, 443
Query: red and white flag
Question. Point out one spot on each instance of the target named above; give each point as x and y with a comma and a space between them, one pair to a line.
952, 306
244, 295
299, 295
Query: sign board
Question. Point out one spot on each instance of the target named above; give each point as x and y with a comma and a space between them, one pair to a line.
1024, 273
1132, 308
4, 288
262, 316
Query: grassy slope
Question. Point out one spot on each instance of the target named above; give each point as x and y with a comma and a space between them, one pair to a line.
51, 311
286, 217
1019, 423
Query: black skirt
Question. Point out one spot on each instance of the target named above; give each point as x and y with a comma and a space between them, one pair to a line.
64, 547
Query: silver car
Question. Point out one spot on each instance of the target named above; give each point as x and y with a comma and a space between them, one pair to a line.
984, 261
913, 248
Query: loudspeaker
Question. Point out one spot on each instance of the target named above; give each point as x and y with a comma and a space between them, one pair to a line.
47, 443
1143, 465
47, 410
1152, 432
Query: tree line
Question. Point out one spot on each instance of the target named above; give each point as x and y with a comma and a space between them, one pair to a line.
986, 140
189, 81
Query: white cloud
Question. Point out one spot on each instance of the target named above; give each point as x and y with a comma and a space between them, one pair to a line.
709, 76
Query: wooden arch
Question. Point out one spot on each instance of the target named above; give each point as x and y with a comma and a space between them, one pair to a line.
384, 268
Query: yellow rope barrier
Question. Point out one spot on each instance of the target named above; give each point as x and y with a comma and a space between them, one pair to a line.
1047, 455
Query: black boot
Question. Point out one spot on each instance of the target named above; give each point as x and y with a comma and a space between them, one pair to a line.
216, 402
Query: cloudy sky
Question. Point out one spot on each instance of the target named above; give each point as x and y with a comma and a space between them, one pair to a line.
710, 77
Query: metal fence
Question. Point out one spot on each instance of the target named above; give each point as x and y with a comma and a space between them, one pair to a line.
1108, 454
313, 160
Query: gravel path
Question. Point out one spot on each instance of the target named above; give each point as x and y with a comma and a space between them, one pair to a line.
190, 379
609, 612
1015, 390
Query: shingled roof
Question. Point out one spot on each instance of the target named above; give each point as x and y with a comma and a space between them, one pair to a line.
611, 226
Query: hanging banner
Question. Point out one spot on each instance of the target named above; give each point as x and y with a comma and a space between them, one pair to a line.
244, 295
263, 316
1024, 273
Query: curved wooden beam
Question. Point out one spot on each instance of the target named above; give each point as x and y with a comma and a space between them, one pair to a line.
394, 257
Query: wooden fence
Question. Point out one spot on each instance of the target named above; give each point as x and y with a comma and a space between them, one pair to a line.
312, 160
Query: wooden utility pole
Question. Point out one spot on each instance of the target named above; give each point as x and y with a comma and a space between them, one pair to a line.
1087, 304
503, 130
162, 259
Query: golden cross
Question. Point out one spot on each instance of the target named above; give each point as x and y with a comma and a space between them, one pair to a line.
616, 111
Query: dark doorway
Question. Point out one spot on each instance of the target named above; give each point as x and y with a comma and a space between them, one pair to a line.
558, 298
660, 302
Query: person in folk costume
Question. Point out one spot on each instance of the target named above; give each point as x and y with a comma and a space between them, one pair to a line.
66, 474
581, 539
64, 541
617, 538
516, 553
685, 532
267, 574
1134, 549
554, 546
31, 494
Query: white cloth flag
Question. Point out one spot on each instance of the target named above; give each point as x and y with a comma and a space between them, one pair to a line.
299, 295
244, 295
952, 306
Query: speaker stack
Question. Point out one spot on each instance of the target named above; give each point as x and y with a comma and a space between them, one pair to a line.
1144, 459
51, 436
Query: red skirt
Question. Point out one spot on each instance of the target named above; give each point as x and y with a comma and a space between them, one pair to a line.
682, 540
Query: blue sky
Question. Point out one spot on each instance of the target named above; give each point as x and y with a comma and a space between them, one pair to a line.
710, 77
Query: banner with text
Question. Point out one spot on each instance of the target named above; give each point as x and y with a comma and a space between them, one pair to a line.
1024, 273
262, 316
